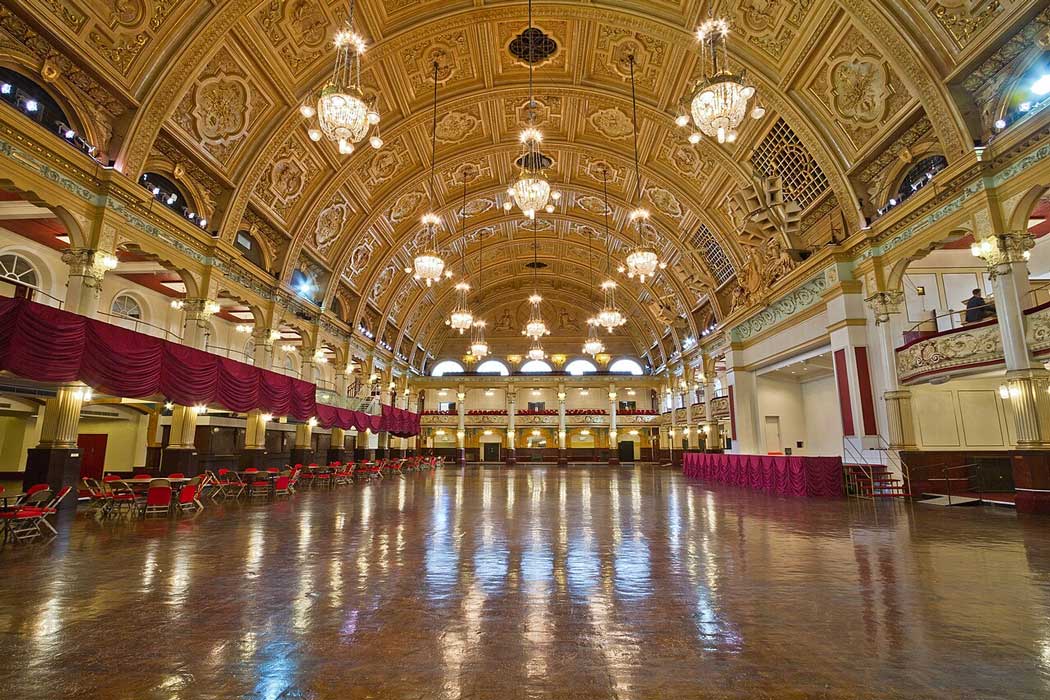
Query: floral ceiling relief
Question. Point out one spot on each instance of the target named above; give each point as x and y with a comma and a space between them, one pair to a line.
221, 107
360, 257
858, 88
964, 19
456, 127
615, 45
330, 224
611, 122
386, 162
297, 29
287, 177
405, 206
665, 202
770, 25
451, 52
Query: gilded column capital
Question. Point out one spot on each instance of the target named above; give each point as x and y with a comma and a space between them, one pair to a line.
1003, 248
197, 309
884, 304
90, 264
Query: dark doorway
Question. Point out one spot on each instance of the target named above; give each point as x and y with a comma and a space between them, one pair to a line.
490, 451
92, 454
626, 451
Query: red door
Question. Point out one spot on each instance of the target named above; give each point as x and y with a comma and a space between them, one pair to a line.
92, 454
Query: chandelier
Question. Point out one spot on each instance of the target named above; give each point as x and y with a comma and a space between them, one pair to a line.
343, 114
478, 347
536, 326
531, 191
429, 265
593, 345
536, 352
720, 98
642, 261
462, 319
609, 316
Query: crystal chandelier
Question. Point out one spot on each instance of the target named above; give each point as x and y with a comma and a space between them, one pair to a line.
429, 265
609, 316
343, 114
642, 261
593, 345
536, 351
462, 319
536, 326
720, 98
531, 191
478, 347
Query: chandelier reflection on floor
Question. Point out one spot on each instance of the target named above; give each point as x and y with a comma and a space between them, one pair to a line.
720, 98
343, 114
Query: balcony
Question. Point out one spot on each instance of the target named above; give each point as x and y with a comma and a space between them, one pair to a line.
968, 349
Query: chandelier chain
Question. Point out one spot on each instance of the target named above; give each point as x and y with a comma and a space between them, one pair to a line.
634, 121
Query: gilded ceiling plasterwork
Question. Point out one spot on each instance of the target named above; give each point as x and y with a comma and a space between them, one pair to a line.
845, 82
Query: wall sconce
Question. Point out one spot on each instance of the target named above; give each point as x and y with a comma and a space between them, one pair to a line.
490, 392
200, 409
707, 428
487, 432
439, 433
312, 422
670, 432
1008, 392
612, 395
266, 417
510, 435
612, 436
169, 406
633, 433
535, 433
561, 395
105, 261
585, 432
287, 348
461, 396
275, 335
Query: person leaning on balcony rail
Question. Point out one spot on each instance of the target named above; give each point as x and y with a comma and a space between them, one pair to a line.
977, 308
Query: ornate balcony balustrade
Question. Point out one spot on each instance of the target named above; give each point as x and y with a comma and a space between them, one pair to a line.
973, 348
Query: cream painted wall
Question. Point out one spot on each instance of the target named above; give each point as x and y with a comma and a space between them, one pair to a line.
962, 414
820, 403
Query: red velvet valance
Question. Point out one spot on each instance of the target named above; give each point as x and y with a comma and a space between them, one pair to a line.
51, 345
779, 474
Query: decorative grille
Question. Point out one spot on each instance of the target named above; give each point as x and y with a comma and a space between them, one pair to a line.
717, 261
782, 154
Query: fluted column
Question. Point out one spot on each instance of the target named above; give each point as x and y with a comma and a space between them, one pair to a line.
87, 269
690, 436
563, 459
1026, 379
713, 437
196, 313
56, 459
512, 409
614, 447
303, 451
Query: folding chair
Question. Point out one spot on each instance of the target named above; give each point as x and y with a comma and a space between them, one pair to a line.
158, 498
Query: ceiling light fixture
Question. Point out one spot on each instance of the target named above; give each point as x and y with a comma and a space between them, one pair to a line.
531, 191
642, 261
478, 347
462, 319
593, 344
428, 265
720, 98
536, 326
343, 114
609, 316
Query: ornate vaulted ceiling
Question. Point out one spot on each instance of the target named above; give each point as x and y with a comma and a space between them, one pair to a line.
207, 93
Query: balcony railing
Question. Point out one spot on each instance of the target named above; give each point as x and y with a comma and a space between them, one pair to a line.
967, 349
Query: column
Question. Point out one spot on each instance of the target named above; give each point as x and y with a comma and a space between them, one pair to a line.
848, 331
87, 269
263, 349
712, 434
461, 425
563, 459
1027, 382
254, 453
886, 307
672, 432
154, 449
196, 313
56, 459
337, 447
743, 406
306, 364
690, 435
512, 408
614, 446
180, 456
303, 452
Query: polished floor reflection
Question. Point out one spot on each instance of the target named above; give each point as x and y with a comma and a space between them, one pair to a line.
534, 583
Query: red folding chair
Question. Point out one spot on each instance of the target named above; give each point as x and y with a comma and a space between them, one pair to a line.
158, 498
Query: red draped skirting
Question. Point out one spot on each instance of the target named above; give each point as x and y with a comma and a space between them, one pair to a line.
785, 476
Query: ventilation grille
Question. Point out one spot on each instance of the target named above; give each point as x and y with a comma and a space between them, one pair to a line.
717, 261
532, 46
781, 154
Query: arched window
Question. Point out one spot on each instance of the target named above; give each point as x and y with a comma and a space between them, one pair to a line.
166, 192
15, 267
626, 366
919, 174
493, 367
578, 367
33, 101
250, 248
337, 308
535, 367
126, 306
446, 367
303, 285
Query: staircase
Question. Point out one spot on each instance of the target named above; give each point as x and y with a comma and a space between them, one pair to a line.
865, 479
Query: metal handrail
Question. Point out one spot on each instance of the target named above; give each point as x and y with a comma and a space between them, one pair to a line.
137, 323
1030, 299
948, 481
952, 314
